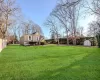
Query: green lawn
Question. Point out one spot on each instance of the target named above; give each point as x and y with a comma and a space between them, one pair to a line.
49, 63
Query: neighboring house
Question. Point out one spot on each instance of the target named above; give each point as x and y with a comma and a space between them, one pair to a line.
12, 40
79, 40
31, 39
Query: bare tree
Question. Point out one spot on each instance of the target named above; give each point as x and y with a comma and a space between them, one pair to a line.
74, 14
61, 14
98, 34
94, 30
26, 27
29, 27
54, 29
37, 28
68, 12
94, 8
14, 28
81, 29
8, 10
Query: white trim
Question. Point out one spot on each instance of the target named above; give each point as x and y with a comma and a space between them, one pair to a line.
30, 38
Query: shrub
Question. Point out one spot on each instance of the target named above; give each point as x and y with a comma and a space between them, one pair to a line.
43, 42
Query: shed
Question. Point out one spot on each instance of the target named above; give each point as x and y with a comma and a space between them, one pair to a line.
87, 43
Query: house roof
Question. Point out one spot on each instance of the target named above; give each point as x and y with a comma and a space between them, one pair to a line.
34, 33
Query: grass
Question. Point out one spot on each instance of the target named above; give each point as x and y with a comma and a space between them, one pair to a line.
49, 63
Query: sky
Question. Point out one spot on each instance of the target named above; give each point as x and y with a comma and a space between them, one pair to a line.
39, 10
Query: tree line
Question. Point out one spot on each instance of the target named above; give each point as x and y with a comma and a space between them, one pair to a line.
66, 15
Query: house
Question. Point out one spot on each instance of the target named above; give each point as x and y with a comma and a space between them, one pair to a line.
31, 39
12, 40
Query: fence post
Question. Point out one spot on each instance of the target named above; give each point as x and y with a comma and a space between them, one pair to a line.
0, 45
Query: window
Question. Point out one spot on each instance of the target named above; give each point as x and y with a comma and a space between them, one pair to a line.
37, 38
30, 38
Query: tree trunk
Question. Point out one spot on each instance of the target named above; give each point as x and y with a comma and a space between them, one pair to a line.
3, 37
57, 39
74, 41
98, 40
99, 44
67, 39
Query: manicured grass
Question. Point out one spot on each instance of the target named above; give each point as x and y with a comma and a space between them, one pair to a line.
49, 63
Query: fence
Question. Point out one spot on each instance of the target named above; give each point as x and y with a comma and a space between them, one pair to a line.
3, 44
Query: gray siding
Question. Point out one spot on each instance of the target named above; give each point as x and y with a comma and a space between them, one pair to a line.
25, 39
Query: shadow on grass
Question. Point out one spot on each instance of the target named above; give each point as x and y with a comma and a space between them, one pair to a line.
85, 69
